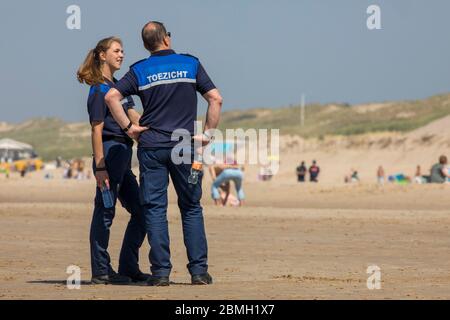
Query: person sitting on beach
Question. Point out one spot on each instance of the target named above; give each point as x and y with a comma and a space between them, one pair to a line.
380, 175
418, 178
352, 176
439, 171
355, 176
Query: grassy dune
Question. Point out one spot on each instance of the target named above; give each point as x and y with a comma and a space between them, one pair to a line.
52, 137
339, 119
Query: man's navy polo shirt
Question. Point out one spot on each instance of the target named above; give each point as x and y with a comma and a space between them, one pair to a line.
99, 111
167, 84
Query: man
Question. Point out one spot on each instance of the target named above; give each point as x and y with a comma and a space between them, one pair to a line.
167, 84
314, 171
439, 171
301, 172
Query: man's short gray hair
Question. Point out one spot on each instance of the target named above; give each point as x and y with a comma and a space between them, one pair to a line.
153, 36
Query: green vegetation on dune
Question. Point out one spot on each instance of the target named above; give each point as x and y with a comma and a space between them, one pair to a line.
52, 137
342, 119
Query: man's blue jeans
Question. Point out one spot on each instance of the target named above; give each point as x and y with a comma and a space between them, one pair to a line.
124, 186
155, 166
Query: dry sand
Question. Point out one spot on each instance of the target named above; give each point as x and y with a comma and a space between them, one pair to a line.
291, 241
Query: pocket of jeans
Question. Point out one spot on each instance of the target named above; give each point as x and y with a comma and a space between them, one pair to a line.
153, 184
144, 189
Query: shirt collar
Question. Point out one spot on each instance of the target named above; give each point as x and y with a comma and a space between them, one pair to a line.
109, 83
163, 52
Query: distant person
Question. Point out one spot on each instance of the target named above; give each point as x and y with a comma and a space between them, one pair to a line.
381, 175
7, 169
265, 173
74, 169
355, 176
67, 166
352, 176
226, 197
418, 177
314, 171
439, 171
112, 153
58, 161
80, 167
301, 172
228, 172
22, 168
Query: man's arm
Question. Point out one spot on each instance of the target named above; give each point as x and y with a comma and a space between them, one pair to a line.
113, 100
208, 90
134, 116
214, 106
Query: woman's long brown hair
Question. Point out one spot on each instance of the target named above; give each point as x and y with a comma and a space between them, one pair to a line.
90, 71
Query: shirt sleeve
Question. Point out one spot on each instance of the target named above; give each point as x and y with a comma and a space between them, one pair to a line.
128, 103
204, 83
96, 105
128, 85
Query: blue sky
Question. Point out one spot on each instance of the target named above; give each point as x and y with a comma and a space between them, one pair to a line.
259, 53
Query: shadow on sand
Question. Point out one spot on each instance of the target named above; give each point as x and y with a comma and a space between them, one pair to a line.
89, 283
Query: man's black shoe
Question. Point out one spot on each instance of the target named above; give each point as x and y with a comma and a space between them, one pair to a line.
158, 281
140, 277
201, 279
115, 279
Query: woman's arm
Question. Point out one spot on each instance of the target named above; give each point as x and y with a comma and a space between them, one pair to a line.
134, 116
99, 158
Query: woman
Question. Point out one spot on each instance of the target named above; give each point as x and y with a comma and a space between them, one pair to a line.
112, 168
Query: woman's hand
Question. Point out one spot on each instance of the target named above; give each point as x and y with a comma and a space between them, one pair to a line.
102, 179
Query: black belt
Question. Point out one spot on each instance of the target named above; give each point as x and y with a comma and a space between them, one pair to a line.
123, 140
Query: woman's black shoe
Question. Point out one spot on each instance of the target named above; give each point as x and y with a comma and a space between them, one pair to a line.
140, 277
115, 279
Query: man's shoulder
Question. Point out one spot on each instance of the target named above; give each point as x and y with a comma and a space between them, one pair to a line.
138, 63
188, 55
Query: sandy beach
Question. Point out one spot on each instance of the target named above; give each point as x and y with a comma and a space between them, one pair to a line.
290, 241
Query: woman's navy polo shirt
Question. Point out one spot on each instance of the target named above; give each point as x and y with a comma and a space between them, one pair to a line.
99, 111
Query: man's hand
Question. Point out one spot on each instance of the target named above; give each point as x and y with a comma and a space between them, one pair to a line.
102, 179
200, 141
135, 131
